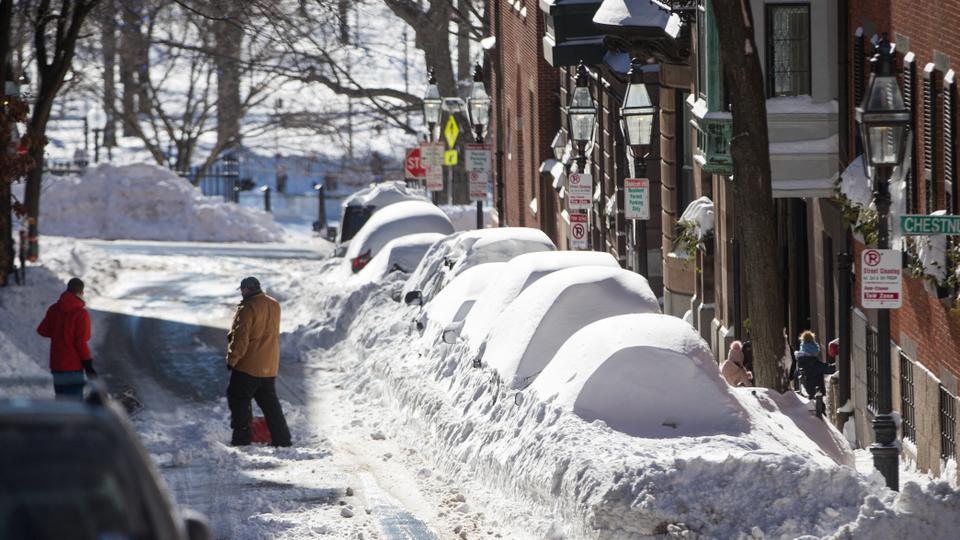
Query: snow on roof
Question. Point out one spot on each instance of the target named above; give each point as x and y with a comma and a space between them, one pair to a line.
464, 250
534, 326
383, 194
632, 13
455, 301
615, 370
146, 202
517, 275
398, 219
400, 254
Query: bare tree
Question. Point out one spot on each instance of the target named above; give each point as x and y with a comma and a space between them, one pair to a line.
754, 210
55, 31
108, 45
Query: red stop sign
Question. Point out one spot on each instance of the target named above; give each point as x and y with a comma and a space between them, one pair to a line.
413, 165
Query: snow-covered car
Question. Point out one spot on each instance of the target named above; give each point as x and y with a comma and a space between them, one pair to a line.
518, 274
452, 304
395, 221
462, 251
356, 209
531, 330
73, 469
399, 255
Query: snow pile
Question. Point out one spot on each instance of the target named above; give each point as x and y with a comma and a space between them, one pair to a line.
145, 202
464, 216
531, 330
932, 253
855, 185
700, 213
395, 221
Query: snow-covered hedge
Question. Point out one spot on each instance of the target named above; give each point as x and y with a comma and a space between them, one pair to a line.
145, 202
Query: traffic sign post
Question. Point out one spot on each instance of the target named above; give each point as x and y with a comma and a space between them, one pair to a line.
921, 225
579, 192
881, 281
413, 165
637, 198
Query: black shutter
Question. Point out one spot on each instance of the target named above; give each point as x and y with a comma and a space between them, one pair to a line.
910, 101
858, 59
930, 117
949, 124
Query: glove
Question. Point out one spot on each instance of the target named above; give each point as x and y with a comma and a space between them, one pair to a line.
88, 368
229, 367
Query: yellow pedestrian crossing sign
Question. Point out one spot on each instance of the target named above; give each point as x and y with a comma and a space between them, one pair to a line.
452, 131
450, 157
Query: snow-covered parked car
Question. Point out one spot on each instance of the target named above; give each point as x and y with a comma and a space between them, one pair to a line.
462, 251
518, 274
399, 255
356, 209
452, 304
395, 221
527, 335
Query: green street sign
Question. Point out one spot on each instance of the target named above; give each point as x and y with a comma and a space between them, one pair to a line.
920, 225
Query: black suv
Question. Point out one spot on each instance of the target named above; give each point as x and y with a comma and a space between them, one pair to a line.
76, 470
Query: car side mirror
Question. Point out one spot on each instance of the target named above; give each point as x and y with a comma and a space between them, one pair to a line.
413, 297
451, 334
196, 524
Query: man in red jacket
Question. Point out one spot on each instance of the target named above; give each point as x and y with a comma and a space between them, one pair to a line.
67, 324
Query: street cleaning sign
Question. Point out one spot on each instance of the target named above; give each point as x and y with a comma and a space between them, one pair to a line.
637, 198
431, 156
579, 192
478, 185
920, 225
579, 223
881, 282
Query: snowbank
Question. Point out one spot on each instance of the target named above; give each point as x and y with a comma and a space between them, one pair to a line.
146, 202
531, 330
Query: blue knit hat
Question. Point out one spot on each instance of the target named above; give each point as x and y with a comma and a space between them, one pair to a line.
810, 347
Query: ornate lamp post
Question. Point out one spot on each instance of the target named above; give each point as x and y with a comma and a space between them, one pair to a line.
432, 103
636, 121
478, 108
884, 125
582, 115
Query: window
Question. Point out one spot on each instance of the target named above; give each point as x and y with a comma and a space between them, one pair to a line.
948, 424
788, 49
873, 378
908, 419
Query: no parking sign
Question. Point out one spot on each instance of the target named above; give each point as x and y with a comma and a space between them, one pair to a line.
579, 223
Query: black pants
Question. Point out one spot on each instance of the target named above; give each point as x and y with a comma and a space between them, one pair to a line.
240, 391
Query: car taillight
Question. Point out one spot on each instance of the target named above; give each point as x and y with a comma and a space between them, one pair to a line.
358, 262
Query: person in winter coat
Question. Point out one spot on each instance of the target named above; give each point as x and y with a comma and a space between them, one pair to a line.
811, 369
253, 358
733, 369
67, 324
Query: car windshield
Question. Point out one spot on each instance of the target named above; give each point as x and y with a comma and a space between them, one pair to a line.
353, 219
67, 481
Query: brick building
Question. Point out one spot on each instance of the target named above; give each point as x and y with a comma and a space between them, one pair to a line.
925, 333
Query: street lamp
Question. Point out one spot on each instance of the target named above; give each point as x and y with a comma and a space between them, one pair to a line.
478, 108
884, 125
636, 121
582, 115
432, 103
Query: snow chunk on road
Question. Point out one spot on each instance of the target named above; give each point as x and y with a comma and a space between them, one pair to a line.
146, 202
531, 330
615, 370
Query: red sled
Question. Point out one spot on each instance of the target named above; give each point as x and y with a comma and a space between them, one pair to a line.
259, 432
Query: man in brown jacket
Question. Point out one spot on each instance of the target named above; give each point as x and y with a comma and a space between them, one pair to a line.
253, 358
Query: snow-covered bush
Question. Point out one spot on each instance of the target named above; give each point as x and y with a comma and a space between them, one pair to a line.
694, 228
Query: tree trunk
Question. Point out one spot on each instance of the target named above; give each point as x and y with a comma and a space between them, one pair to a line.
464, 69
343, 20
754, 211
229, 35
108, 42
6, 223
130, 38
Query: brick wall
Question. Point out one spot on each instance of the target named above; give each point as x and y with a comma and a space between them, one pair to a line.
530, 110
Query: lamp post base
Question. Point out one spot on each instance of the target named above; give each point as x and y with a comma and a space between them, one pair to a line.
886, 453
